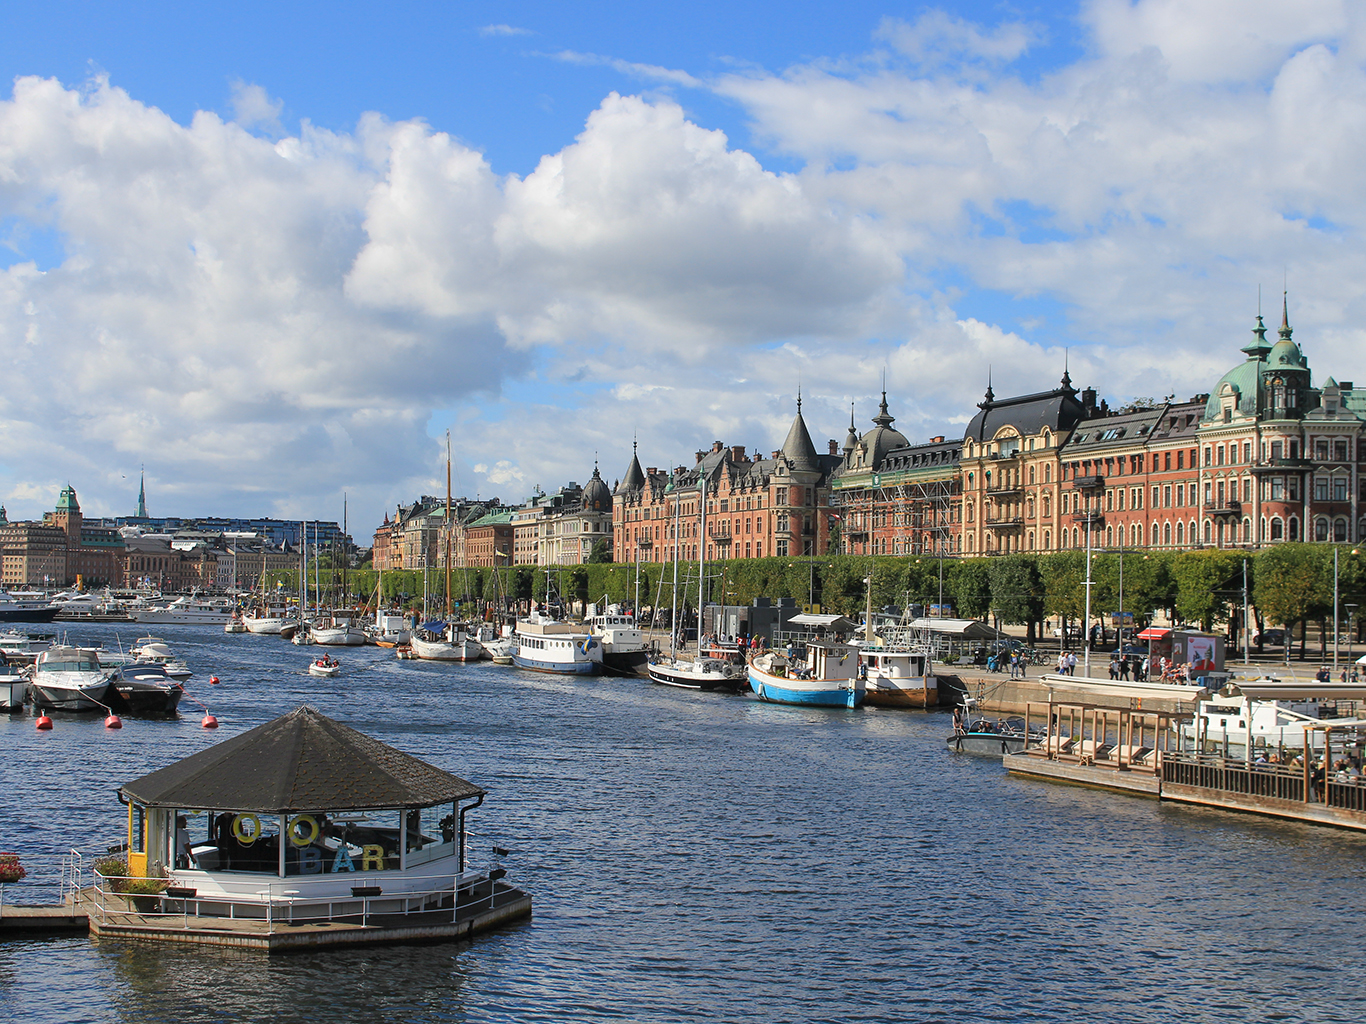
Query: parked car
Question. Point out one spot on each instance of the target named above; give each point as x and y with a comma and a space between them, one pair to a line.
1270, 638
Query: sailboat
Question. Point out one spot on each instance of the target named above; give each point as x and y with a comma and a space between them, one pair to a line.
448, 640
701, 673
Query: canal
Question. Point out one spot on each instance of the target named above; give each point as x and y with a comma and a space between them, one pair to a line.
708, 857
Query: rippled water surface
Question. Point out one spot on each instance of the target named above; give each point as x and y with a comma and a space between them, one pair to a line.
713, 858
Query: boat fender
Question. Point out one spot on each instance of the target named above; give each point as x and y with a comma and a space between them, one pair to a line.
44, 723
246, 836
213, 680
113, 722
306, 838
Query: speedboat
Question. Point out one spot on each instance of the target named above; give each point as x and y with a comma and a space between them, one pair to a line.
234, 625
70, 679
992, 739
157, 652
24, 646
702, 674
826, 676
326, 667
146, 689
13, 688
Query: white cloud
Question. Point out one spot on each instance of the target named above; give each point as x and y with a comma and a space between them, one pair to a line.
504, 30
252, 107
650, 72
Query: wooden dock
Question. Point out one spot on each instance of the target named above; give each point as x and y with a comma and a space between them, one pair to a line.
1033, 765
483, 908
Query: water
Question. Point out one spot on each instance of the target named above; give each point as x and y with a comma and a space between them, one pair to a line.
708, 857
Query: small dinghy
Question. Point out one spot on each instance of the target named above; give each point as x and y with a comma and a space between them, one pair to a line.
326, 667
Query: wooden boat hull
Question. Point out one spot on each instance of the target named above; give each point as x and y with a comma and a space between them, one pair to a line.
882, 697
823, 693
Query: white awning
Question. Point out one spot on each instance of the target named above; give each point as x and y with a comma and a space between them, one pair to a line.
966, 629
1117, 688
1274, 689
838, 623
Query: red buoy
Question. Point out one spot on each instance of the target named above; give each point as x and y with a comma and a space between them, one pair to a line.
44, 722
213, 680
209, 722
113, 722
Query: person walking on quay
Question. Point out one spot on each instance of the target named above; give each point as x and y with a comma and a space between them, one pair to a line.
1071, 663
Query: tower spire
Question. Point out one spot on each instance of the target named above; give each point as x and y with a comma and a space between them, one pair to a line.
1285, 316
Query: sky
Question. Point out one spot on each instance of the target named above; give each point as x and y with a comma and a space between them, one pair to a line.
273, 253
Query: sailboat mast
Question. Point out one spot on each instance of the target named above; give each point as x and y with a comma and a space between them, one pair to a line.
673, 616
303, 570
448, 524
702, 562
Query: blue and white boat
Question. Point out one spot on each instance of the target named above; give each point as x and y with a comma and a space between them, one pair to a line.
545, 644
823, 674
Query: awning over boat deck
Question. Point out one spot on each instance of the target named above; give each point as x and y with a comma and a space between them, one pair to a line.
833, 623
962, 629
1274, 689
302, 761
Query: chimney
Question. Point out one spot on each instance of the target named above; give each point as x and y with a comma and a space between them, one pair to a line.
937, 439
1088, 402
652, 471
700, 455
834, 447
737, 453
778, 455
716, 446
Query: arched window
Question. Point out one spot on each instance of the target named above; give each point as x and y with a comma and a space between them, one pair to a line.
1076, 537
1047, 472
1180, 533
1340, 530
1031, 538
1047, 536
1320, 529
1138, 535
971, 542
1247, 531
1277, 528
1031, 471
1294, 527
1190, 533
1167, 533
1209, 529
1109, 536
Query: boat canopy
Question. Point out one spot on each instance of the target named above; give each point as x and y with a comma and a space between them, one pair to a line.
963, 629
1121, 689
1274, 689
837, 623
302, 761
433, 627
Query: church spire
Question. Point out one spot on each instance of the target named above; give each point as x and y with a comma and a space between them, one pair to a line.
141, 512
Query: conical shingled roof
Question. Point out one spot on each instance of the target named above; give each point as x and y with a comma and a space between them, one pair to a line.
634, 479
302, 761
798, 447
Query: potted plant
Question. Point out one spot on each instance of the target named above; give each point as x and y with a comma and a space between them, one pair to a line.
10, 868
145, 893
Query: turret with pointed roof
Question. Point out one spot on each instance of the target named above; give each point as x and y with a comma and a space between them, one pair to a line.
634, 479
798, 449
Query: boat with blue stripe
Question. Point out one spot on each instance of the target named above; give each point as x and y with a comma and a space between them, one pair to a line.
545, 644
817, 674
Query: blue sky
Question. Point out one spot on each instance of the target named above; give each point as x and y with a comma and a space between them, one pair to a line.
274, 251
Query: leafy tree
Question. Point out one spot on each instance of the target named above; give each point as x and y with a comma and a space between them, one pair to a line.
972, 588
1205, 584
602, 551
1016, 590
1293, 582
1064, 583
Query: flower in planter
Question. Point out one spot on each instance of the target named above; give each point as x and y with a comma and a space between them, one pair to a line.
10, 868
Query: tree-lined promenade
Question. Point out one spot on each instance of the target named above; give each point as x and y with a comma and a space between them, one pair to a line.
1287, 585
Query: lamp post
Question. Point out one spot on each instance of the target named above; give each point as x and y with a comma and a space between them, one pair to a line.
1086, 616
1335, 606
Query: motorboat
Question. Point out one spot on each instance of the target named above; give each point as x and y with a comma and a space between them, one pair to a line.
13, 688
899, 677
187, 611
25, 647
145, 688
546, 644
390, 629
158, 652
625, 651
235, 625
702, 674
993, 738
820, 673
325, 667
441, 641
26, 607
70, 679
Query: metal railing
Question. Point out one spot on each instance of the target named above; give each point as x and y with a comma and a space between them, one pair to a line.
281, 902
49, 880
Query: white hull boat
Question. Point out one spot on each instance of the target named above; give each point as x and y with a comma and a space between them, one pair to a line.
70, 679
186, 611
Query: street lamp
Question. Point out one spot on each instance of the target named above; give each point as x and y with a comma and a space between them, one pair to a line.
1335, 605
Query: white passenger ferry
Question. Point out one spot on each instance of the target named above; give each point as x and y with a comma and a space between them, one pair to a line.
545, 644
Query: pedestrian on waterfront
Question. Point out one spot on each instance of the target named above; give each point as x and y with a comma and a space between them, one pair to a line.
1143, 670
1071, 663
1062, 663
1124, 668
1114, 666
1322, 675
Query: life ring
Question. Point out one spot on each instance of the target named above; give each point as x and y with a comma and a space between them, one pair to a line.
244, 837
310, 823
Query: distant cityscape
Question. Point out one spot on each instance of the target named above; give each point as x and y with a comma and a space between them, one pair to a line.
1264, 457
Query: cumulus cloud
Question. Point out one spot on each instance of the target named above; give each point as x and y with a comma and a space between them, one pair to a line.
252, 107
